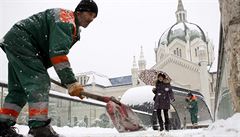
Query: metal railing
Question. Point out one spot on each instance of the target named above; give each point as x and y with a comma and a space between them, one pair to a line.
71, 111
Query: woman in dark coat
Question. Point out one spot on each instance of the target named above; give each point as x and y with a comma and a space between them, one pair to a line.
163, 97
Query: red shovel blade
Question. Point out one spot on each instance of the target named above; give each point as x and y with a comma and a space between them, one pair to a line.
123, 118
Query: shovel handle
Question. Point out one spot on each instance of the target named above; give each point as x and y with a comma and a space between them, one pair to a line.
96, 97
100, 98
90, 95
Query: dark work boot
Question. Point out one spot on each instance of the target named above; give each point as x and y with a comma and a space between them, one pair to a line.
43, 131
8, 131
167, 127
154, 120
161, 127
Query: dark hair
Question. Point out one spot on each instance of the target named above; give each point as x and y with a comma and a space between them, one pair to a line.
87, 5
161, 74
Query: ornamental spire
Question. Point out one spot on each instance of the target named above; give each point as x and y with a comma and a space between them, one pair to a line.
181, 13
180, 6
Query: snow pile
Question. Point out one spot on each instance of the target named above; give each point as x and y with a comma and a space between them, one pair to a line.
220, 128
224, 128
138, 95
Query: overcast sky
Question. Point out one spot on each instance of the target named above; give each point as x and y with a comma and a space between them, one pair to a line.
109, 43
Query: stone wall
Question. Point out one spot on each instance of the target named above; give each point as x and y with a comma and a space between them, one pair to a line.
230, 21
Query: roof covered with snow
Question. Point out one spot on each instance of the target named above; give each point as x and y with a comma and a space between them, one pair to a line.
96, 78
103, 80
124, 80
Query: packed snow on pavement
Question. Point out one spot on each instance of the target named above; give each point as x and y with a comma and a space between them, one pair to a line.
220, 128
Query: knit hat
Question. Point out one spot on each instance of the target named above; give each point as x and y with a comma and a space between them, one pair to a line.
189, 94
87, 5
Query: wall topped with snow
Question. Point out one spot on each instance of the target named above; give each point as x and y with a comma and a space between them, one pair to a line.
138, 95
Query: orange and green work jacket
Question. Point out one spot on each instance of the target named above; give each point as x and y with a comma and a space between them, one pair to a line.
32, 46
52, 33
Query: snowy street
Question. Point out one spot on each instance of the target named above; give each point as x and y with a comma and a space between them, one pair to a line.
102, 132
221, 128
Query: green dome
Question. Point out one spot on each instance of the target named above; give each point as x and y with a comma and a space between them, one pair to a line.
180, 31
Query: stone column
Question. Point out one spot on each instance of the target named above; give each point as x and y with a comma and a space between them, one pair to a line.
230, 20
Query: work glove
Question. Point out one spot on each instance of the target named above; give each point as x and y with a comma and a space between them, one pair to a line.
75, 89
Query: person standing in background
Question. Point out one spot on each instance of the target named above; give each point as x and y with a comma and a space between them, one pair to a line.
162, 99
193, 108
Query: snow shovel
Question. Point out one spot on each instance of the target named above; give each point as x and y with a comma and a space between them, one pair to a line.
122, 116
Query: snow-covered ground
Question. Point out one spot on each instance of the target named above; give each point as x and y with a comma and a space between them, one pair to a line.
220, 128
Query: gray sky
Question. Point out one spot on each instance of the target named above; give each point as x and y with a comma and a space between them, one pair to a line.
109, 43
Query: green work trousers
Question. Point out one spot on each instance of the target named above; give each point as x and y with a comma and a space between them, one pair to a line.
28, 80
194, 118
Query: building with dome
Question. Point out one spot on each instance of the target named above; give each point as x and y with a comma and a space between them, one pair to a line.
186, 54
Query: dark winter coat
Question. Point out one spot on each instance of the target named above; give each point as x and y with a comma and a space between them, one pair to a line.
163, 96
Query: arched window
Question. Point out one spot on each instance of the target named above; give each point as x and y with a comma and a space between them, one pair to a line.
180, 52
196, 50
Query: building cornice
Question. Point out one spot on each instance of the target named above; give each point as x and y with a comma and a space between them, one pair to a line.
179, 61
